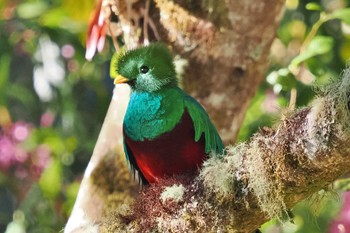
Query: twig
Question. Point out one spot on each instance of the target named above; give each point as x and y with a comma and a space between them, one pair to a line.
145, 23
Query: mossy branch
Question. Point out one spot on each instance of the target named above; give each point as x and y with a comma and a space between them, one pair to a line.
257, 180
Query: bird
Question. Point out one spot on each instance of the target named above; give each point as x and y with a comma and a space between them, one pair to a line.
166, 132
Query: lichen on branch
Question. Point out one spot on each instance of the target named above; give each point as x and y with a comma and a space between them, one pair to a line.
257, 180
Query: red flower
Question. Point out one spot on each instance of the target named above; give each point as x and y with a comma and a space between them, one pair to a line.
96, 33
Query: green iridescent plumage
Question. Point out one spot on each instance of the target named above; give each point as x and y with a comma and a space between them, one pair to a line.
157, 105
173, 101
155, 57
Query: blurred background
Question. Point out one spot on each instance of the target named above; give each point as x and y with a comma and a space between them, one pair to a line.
53, 103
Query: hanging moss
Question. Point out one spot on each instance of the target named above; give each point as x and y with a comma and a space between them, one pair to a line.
256, 180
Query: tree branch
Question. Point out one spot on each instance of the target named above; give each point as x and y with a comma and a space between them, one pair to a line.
102, 175
256, 180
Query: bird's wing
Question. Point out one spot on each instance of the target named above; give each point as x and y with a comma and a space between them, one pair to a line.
133, 168
202, 124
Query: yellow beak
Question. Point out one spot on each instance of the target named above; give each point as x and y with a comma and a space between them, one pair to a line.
120, 79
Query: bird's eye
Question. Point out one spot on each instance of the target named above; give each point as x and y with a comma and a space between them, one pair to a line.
144, 69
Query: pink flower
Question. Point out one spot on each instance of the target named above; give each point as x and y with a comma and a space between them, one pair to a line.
7, 152
47, 119
20, 131
67, 51
21, 172
41, 158
342, 223
20, 155
11, 154
96, 33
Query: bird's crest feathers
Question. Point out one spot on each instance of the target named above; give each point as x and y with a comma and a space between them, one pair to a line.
150, 67
114, 62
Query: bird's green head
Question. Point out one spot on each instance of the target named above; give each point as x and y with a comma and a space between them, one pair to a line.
147, 68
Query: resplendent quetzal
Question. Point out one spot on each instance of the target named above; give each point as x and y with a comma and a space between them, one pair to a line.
166, 131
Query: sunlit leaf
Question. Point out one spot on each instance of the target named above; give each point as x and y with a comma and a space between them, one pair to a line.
297, 29
342, 14
58, 18
50, 181
2, 5
4, 72
52, 18
313, 6
5, 118
71, 144
29, 10
56, 144
318, 46
79, 10
342, 184
292, 4
71, 194
345, 50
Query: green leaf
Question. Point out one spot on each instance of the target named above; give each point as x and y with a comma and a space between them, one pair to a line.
20, 93
50, 181
30, 10
318, 46
287, 81
71, 194
4, 75
342, 184
256, 116
313, 6
52, 18
56, 144
342, 14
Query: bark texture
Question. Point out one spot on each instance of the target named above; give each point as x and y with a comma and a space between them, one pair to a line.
227, 45
104, 175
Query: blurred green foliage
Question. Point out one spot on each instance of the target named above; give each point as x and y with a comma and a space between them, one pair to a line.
64, 102
312, 47
312, 215
46, 82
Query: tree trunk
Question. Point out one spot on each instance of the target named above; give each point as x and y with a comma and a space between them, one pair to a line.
226, 44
